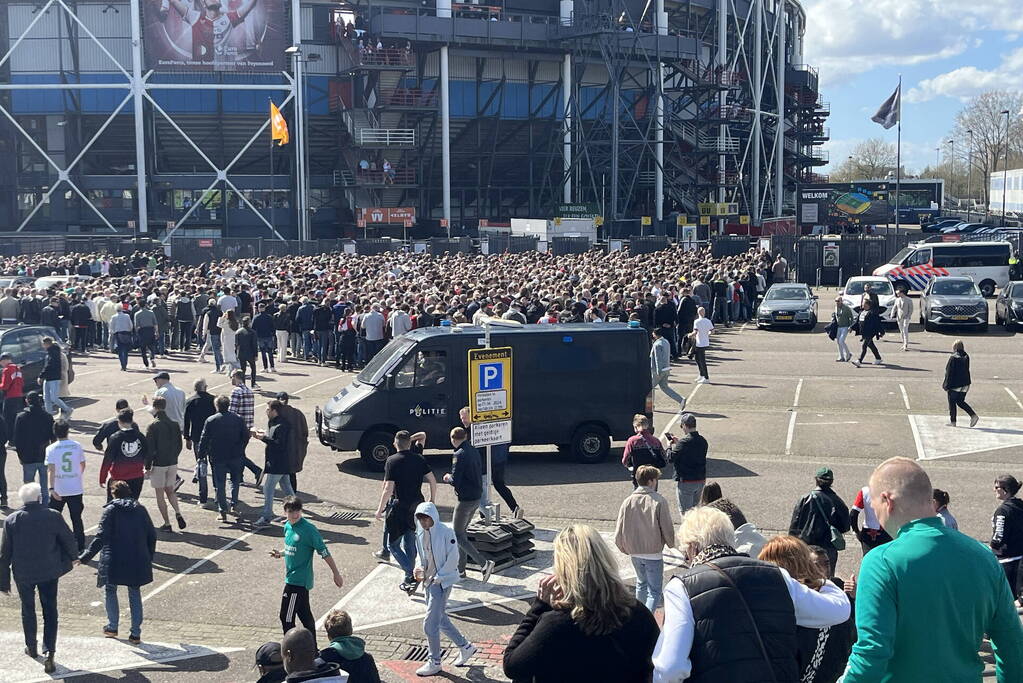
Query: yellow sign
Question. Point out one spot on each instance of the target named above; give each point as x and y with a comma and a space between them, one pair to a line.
681, 220
490, 384
598, 221
704, 220
744, 220
645, 220
557, 220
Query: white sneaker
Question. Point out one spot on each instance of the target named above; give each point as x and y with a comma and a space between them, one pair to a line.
488, 569
703, 380
262, 522
518, 513
429, 669
682, 405
464, 653
878, 361
974, 420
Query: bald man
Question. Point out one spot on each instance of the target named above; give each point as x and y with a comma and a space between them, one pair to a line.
926, 600
298, 650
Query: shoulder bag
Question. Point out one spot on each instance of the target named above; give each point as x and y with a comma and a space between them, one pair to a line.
837, 539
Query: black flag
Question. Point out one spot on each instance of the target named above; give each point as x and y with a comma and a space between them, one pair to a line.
890, 112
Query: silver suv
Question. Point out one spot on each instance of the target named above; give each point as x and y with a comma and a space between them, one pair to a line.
953, 301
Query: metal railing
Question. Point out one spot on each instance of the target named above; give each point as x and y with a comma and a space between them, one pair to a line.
397, 176
391, 56
408, 97
389, 137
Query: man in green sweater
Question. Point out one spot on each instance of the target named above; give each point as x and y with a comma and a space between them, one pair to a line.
925, 601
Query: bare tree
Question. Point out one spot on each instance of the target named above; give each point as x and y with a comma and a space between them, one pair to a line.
871, 159
983, 115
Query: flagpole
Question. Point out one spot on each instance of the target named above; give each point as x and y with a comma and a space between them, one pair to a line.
898, 158
272, 221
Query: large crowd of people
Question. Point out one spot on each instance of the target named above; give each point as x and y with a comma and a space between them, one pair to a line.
743, 607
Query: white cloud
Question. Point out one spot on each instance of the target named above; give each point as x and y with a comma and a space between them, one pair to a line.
849, 37
968, 81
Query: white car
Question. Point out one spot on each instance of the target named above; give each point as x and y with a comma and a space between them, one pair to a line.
852, 294
44, 283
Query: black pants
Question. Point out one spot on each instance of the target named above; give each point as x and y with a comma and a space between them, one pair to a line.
1011, 570
701, 360
251, 467
251, 363
295, 605
147, 342
3, 476
501, 487
134, 484
669, 334
868, 343
81, 335
11, 408
294, 482
958, 398
185, 335
48, 601
75, 506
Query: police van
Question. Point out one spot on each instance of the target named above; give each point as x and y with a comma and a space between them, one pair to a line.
987, 262
576, 386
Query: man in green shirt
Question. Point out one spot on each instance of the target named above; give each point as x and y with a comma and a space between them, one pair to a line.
925, 601
301, 539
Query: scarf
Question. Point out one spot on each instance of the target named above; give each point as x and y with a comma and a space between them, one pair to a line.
714, 552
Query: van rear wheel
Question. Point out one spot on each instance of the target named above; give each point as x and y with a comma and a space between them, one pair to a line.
591, 443
375, 448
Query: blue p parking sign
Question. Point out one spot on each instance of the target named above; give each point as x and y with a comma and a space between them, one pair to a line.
491, 376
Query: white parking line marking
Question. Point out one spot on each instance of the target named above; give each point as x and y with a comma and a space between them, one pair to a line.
677, 415
799, 388
788, 437
916, 438
847, 422
356, 589
1007, 389
905, 396
198, 563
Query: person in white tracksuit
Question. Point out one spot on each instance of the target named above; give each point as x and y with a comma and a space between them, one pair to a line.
903, 315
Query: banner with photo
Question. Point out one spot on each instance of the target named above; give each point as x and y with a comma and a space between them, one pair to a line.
215, 35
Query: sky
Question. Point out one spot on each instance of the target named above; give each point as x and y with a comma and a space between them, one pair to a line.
946, 50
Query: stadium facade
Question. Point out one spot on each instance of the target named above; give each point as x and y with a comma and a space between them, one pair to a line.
152, 115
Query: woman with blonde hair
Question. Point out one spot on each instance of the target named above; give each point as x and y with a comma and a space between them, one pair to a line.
823, 652
733, 618
584, 624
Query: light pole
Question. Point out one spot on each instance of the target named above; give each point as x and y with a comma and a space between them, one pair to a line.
969, 177
1005, 169
952, 163
302, 120
937, 159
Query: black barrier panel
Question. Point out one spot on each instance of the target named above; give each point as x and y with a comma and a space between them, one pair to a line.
373, 247
807, 260
724, 246
569, 245
647, 245
455, 245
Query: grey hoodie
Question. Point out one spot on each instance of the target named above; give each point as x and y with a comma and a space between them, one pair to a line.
443, 544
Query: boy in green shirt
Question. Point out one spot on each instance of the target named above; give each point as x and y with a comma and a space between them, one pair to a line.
925, 601
301, 539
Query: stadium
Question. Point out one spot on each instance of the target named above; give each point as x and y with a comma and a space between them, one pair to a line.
151, 117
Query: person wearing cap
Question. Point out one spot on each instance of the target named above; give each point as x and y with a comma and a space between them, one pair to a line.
844, 317
688, 455
270, 664
298, 436
821, 517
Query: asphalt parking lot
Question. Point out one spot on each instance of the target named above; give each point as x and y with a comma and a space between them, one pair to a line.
778, 406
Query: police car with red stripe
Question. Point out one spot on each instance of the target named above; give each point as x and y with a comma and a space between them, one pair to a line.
986, 262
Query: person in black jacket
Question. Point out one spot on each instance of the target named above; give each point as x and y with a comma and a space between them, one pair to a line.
33, 432
1007, 531
686, 315
81, 321
49, 379
323, 316
198, 408
263, 326
40, 548
665, 319
109, 427
688, 456
126, 542
247, 348
818, 512
957, 383
467, 477
222, 443
277, 439
870, 328
584, 624
346, 650
50, 314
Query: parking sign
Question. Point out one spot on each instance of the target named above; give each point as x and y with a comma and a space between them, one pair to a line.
490, 379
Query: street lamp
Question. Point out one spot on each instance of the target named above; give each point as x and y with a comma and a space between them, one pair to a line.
302, 118
952, 162
969, 177
1005, 169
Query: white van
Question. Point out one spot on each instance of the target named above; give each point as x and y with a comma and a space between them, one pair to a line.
44, 283
916, 265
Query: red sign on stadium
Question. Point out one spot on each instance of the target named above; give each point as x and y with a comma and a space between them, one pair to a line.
215, 35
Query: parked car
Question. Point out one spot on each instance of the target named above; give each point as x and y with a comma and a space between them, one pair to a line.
949, 301
941, 224
15, 281
1009, 306
25, 344
855, 287
961, 228
44, 283
788, 304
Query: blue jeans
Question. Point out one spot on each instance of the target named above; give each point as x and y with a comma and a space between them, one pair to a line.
649, 580
218, 351
307, 344
51, 397
269, 486
324, 339
721, 310
688, 493
406, 558
29, 472
437, 621
220, 472
134, 604
122, 354
48, 601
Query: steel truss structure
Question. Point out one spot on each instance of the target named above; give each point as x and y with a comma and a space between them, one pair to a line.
139, 89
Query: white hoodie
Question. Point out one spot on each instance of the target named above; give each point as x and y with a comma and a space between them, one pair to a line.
443, 544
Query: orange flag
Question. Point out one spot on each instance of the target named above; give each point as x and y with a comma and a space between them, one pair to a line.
278, 126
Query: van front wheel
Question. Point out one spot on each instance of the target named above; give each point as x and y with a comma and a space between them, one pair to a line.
375, 448
591, 443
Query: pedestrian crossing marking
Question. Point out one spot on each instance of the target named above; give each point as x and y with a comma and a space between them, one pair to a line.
935, 439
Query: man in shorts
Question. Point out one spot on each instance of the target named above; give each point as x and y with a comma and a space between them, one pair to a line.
164, 439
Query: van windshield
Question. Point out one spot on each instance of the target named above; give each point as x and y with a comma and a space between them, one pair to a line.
903, 253
384, 361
